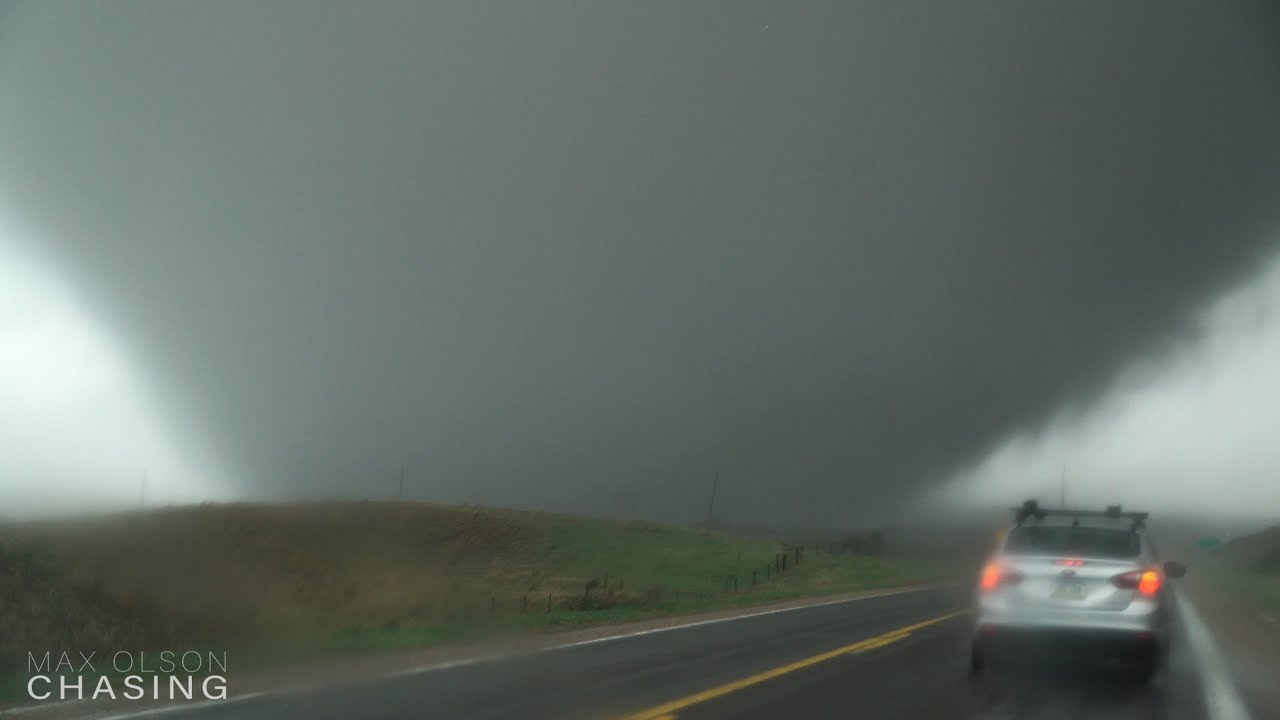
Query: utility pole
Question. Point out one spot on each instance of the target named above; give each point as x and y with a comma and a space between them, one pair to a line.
711, 510
401, 493
1062, 487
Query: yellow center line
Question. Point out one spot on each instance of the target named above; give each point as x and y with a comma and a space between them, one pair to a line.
667, 711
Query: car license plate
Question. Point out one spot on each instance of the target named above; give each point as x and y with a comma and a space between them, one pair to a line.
1069, 591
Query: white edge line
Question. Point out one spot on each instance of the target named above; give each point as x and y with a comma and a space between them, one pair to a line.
41, 706
187, 707
445, 665
654, 631
136, 713
177, 708
1222, 699
714, 621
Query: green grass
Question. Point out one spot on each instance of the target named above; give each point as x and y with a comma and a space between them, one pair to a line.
13, 686
652, 571
284, 585
1258, 589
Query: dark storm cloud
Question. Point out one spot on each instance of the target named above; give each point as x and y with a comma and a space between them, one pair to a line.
583, 256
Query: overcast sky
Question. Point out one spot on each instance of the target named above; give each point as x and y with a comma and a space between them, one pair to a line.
584, 256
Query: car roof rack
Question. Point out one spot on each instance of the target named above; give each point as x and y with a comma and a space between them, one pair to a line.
1031, 510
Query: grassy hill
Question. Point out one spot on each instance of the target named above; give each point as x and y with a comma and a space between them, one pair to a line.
1248, 567
1257, 553
285, 581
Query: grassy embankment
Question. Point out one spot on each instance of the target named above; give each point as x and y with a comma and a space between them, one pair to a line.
282, 584
1247, 569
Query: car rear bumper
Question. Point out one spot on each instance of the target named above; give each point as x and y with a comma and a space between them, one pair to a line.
1137, 618
1067, 625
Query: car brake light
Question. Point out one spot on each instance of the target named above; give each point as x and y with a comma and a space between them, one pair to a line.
990, 577
1069, 563
1150, 583
1146, 582
994, 576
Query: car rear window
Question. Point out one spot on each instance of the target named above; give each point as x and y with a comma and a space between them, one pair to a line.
1067, 540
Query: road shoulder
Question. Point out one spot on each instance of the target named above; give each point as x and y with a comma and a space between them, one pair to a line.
1250, 643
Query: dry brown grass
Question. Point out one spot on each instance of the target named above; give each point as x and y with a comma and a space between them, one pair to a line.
244, 573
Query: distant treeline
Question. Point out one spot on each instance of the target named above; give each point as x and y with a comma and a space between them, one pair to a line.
865, 543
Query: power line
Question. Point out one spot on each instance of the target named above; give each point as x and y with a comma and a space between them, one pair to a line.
711, 510
1062, 488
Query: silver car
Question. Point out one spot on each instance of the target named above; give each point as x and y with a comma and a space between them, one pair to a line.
1073, 580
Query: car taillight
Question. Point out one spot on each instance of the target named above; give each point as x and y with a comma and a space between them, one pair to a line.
1150, 583
993, 576
1146, 582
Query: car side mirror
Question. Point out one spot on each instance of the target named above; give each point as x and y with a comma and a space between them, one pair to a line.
1175, 569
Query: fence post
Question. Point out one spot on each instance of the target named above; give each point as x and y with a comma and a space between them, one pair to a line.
548, 601
735, 583
753, 578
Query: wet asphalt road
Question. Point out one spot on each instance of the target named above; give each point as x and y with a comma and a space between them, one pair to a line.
739, 669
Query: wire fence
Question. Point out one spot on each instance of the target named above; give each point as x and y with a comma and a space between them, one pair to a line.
612, 592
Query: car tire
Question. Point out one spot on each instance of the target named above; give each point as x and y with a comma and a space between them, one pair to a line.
977, 660
1149, 667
